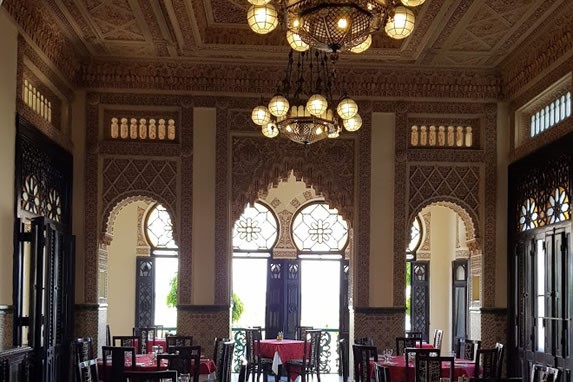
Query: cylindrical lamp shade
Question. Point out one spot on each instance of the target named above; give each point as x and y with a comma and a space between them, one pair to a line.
363, 45
261, 2
347, 108
296, 42
278, 106
262, 18
270, 130
353, 124
402, 24
410, 3
261, 115
316, 105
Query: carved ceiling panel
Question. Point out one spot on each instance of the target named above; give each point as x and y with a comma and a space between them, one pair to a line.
476, 34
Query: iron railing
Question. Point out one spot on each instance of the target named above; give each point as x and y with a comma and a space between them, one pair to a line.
329, 358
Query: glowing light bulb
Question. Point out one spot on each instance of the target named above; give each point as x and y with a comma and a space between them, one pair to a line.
342, 23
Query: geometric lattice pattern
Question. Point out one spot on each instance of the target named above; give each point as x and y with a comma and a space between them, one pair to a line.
444, 182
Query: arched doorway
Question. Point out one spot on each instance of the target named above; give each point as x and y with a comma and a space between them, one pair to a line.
439, 272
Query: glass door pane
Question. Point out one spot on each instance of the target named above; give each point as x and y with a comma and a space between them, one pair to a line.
250, 286
320, 290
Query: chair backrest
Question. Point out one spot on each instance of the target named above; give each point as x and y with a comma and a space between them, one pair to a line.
486, 364
363, 355
311, 354
411, 334
430, 368
184, 359
227, 361
83, 349
252, 345
364, 341
177, 341
218, 350
466, 348
87, 371
149, 376
438, 334
144, 336
125, 341
343, 356
542, 373
300, 332
405, 342
382, 373
118, 356
107, 335
499, 347
410, 355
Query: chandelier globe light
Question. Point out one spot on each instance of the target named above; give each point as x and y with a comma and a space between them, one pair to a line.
333, 25
302, 108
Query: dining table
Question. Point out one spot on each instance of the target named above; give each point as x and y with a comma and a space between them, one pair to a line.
281, 351
148, 362
397, 367
158, 342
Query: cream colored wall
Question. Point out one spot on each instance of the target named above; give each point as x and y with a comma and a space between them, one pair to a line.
382, 207
203, 235
78, 134
9, 49
503, 143
287, 191
121, 271
443, 247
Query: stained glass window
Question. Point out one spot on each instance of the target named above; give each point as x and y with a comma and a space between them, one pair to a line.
159, 229
415, 239
558, 206
255, 230
319, 229
528, 215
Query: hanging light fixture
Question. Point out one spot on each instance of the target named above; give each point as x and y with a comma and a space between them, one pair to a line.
333, 25
303, 108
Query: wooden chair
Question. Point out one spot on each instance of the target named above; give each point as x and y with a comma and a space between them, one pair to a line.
184, 359
499, 365
467, 349
227, 361
300, 332
87, 371
410, 354
343, 357
364, 355
542, 373
107, 335
405, 342
310, 362
381, 373
369, 341
438, 334
177, 341
412, 334
429, 368
150, 376
256, 365
123, 341
83, 349
486, 364
144, 336
117, 355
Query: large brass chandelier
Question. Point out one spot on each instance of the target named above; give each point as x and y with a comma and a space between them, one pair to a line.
333, 25
302, 107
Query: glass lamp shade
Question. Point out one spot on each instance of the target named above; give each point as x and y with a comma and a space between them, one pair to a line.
347, 108
401, 24
353, 124
411, 3
270, 130
296, 42
316, 105
261, 115
261, 2
278, 106
363, 45
262, 18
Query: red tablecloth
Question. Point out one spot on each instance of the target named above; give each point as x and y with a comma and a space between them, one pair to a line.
397, 368
147, 362
281, 351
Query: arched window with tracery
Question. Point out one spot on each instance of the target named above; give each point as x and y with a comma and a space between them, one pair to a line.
158, 229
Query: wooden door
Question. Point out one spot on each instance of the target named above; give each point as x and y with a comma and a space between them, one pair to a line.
420, 282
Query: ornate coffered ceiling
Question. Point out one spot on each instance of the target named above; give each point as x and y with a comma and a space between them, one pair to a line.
476, 34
